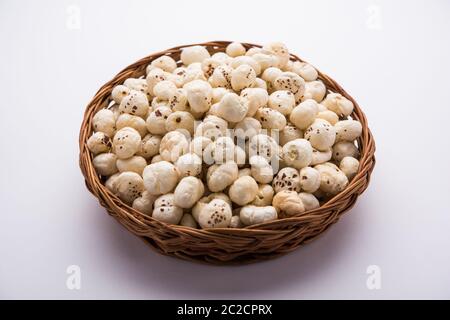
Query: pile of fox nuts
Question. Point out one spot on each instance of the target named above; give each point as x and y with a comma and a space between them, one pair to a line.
227, 140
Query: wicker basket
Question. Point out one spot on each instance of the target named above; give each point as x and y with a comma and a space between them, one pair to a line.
225, 245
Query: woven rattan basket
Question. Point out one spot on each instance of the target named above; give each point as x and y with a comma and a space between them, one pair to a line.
223, 246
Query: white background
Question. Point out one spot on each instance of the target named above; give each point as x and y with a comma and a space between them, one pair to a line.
391, 56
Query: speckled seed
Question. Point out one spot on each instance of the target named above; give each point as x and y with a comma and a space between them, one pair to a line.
180, 120
165, 63
144, 203
280, 50
250, 214
188, 191
156, 121
104, 121
310, 202
199, 95
136, 103
349, 166
105, 164
264, 146
271, 118
160, 177
241, 60
198, 207
189, 164
173, 145
344, 149
254, 98
348, 130
243, 190
164, 90
134, 164
126, 142
289, 133
309, 179
264, 196
297, 153
221, 77
216, 214
287, 179
129, 186
166, 211
99, 142
135, 122
149, 146
282, 101
288, 203
338, 104
242, 77
119, 92
135, 84
332, 179
303, 115
292, 82
321, 134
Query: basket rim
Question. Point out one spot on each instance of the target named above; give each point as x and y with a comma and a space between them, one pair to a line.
366, 146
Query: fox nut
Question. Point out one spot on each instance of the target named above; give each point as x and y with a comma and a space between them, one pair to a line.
180, 120
105, 164
315, 90
282, 101
309, 201
254, 98
104, 121
332, 179
156, 121
188, 191
349, 166
165, 63
160, 177
219, 177
189, 164
126, 142
165, 209
329, 116
247, 128
271, 118
199, 95
344, 149
287, 179
297, 153
288, 203
164, 90
129, 186
221, 77
144, 203
198, 145
149, 146
173, 145
119, 92
264, 196
99, 142
292, 82
263, 145
135, 122
338, 104
321, 134
251, 214
134, 164
136, 103
309, 179
187, 220
289, 133
304, 70
243, 190
216, 214
194, 54
348, 130
303, 115
235, 49
242, 77
261, 169
245, 60
232, 108
280, 50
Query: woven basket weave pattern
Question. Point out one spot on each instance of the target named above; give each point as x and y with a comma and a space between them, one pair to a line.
227, 245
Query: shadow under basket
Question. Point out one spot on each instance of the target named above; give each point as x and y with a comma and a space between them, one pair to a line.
225, 245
